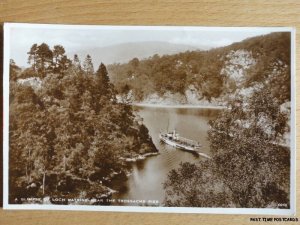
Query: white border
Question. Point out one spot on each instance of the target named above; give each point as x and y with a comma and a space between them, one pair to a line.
6, 205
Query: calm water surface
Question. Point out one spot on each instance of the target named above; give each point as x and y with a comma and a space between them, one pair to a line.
148, 176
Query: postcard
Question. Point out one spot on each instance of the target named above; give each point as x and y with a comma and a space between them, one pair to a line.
149, 118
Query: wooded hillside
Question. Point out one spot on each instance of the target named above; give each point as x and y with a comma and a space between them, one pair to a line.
213, 74
68, 135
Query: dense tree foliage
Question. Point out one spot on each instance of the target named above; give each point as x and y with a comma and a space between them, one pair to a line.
249, 168
202, 69
196, 186
43, 60
60, 61
69, 135
250, 165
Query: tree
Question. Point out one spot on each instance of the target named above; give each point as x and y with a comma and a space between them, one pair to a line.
134, 62
60, 60
44, 59
88, 67
32, 58
76, 63
42, 160
102, 78
64, 64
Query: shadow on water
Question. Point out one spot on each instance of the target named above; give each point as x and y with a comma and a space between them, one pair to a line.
198, 112
207, 112
140, 164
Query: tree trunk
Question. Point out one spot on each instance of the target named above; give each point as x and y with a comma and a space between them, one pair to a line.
44, 179
27, 176
28, 166
64, 162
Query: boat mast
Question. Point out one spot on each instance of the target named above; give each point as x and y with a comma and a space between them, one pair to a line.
168, 125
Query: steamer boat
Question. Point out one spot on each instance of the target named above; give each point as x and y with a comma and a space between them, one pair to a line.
175, 140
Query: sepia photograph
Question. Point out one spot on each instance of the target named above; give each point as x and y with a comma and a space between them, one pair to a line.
149, 118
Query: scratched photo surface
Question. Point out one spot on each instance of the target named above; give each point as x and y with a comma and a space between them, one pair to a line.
149, 117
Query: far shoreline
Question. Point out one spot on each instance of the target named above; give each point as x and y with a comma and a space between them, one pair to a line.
182, 106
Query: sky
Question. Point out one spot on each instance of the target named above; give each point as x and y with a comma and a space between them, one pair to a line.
76, 38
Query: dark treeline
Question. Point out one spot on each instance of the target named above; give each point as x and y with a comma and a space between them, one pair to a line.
69, 136
203, 69
43, 61
250, 165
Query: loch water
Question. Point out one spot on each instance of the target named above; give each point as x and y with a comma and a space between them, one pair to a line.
145, 184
